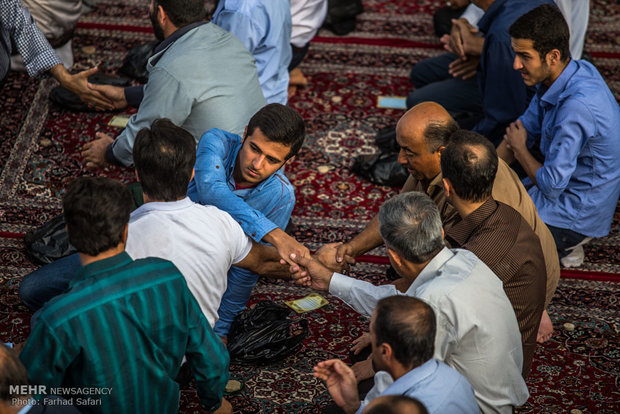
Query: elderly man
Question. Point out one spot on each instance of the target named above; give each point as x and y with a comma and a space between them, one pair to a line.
422, 133
477, 331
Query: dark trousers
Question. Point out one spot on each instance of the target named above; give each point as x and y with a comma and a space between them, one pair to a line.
461, 98
565, 239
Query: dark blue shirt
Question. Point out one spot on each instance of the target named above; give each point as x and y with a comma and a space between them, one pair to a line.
504, 95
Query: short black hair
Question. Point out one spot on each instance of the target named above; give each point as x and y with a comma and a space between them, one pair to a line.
164, 156
12, 373
470, 163
96, 210
183, 12
396, 404
437, 134
408, 325
546, 27
280, 124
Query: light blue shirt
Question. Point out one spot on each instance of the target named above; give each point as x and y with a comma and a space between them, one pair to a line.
264, 27
440, 388
477, 330
577, 121
259, 209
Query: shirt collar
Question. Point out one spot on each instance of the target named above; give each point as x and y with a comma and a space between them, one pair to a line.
430, 271
174, 36
490, 15
163, 206
462, 230
412, 378
102, 266
551, 95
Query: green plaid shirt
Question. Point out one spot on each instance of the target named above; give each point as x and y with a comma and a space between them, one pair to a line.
126, 325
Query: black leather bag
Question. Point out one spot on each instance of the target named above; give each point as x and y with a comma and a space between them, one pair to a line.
264, 334
381, 169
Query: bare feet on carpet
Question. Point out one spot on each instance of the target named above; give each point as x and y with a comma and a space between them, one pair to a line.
545, 329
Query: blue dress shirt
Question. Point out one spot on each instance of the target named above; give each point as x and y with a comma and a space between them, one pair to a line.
577, 121
258, 210
440, 388
504, 95
264, 27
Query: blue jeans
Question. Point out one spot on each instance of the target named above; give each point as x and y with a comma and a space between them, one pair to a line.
49, 281
461, 98
238, 291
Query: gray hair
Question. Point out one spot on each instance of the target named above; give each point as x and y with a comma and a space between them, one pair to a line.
410, 225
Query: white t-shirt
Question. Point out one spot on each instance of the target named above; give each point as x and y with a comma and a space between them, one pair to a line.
202, 242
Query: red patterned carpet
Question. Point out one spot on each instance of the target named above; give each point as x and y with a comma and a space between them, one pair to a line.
577, 371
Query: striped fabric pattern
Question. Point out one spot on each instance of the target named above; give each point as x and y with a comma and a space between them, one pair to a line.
126, 325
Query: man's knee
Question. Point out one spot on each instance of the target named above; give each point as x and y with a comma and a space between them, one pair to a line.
30, 292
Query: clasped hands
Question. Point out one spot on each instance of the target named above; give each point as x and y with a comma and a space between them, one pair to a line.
463, 42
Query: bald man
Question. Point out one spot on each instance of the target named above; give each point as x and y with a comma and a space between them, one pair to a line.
422, 134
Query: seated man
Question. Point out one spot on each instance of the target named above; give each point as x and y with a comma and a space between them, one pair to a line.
200, 77
494, 232
203, 242
477, 331
574, 120
422, 133
264, 27
402, 335
244, 178
124, 324
38, 57
495, 96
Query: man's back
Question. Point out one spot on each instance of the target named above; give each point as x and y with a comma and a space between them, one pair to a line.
500, 237
205, 79
202, 241
125, 326
477, 332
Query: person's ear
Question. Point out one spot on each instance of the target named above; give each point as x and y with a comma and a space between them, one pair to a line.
396, 258
162, 17
553, 57
137, 176
447, 187
245, 134
193, 174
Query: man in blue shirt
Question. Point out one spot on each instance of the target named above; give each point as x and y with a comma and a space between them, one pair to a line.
495, 96
402, 336
264, 27
244, 178
574, 120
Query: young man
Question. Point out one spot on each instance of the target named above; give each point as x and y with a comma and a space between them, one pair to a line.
402, 336
124, 325
200, 77
202, 241
244, 177
494, 231
477, 331
574, 120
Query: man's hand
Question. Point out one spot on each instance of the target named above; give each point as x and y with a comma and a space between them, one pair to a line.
340, 382
462, 40
114, 94
78, 84
319, 275
516, 137
363, 369
94, 151
464, 68
336, 256
360, 343
286, 245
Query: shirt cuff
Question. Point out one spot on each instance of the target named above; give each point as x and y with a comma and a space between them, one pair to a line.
339, 285
261, 227
134, 95
110, 157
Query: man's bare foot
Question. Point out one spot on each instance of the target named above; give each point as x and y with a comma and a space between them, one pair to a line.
297, 78
545, 329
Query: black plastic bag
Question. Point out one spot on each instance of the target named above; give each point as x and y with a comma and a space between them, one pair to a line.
68, 100
264, 334
341, 15
134, 64
386, 139
49, 242
381, 169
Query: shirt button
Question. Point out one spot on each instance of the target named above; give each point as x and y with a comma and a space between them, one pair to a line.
253, 234
217, 166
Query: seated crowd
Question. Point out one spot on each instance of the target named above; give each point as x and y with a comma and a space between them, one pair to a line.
476, 249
